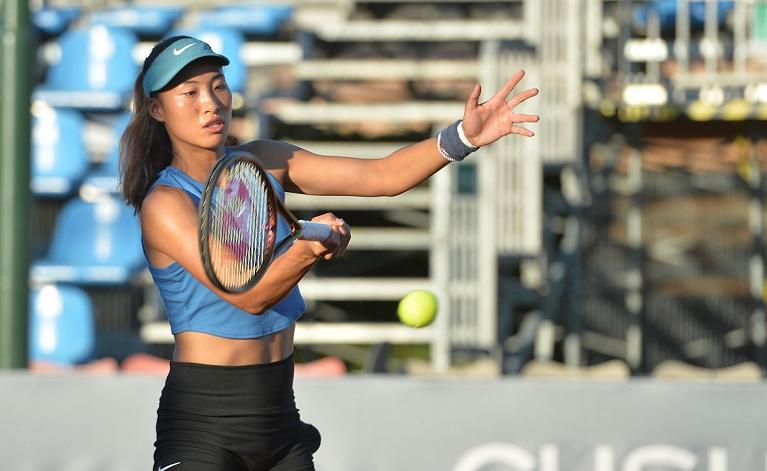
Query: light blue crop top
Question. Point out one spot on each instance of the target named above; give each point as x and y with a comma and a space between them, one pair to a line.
191, 306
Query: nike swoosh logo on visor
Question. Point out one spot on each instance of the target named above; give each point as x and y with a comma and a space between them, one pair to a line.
169, 466
180, 51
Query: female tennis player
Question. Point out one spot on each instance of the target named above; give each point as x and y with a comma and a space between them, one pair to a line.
228, 400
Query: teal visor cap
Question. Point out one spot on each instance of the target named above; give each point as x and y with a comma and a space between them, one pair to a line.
175, 57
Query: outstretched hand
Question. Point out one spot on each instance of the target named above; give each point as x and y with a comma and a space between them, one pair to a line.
485, 123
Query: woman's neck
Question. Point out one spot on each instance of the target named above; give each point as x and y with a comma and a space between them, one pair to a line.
196, 164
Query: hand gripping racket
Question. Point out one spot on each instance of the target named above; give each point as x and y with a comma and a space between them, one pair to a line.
238, 216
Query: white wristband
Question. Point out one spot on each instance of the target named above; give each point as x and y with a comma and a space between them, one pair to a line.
463, 137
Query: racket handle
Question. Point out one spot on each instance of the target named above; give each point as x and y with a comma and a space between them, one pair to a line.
314, 231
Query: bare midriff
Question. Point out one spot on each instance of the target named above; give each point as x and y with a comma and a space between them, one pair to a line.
198, 347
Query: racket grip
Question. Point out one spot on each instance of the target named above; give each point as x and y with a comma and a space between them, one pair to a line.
314, 231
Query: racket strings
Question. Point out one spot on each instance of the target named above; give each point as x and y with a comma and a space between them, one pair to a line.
241, 229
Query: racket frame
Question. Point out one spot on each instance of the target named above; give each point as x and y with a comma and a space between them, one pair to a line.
318, 231
204, 216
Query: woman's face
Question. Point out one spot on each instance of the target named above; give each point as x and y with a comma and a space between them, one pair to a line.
196, 108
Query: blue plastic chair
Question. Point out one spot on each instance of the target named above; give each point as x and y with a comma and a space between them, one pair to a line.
248, 19
95, 69
229, 43
141, 19
59, 155
105, 177
53, 21
93, 243
667, 10
61, 325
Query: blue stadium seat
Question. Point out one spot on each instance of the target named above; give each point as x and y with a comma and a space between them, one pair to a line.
93, 243
667, 9
105, 177
248, 19
229, 43
92, 68
141, 19
53, 21
61, 325
59, 156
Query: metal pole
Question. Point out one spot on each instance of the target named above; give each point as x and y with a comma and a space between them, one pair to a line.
573, 347
681, 48
711, 33
682, 40
634, 300
756, 327
439, 268
740, 36
625, 12
487, 180
16, 55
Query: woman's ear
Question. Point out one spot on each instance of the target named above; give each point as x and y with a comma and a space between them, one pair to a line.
155, 110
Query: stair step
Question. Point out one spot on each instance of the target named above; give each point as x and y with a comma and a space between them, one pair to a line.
322, 333
295, 112
386, 69
360, 289
417, 198
415, 30
360, 333
382, 238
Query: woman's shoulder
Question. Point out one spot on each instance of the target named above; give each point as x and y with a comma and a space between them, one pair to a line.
166, 202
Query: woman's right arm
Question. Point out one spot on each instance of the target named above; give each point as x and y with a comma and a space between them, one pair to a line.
169, 226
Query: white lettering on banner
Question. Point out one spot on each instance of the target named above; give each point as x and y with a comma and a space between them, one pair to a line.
604, 458
717, 459
638, 459
498, 453
549, 455
659, 455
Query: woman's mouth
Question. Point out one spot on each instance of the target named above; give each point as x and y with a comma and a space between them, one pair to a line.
215, 126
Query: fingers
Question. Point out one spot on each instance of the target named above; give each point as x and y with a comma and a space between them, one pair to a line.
327, 218
344, 237
509, 86
341, 225
473, 101
520, 97
522, 131
337, 244
339, 238
525, 118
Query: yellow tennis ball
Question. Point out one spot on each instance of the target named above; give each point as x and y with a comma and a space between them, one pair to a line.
417, 308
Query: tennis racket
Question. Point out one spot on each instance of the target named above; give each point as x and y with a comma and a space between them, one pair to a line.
238, 216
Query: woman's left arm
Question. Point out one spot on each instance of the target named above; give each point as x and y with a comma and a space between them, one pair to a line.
483, 124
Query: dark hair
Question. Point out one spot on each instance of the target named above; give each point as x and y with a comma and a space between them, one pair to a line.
144, 146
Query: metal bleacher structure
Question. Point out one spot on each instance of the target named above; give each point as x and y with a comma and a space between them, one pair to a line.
460, 235
513, 241
681, 86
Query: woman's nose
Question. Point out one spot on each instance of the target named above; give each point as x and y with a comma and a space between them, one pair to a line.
209, 101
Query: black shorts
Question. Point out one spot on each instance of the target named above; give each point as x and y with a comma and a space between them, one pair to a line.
233, 418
